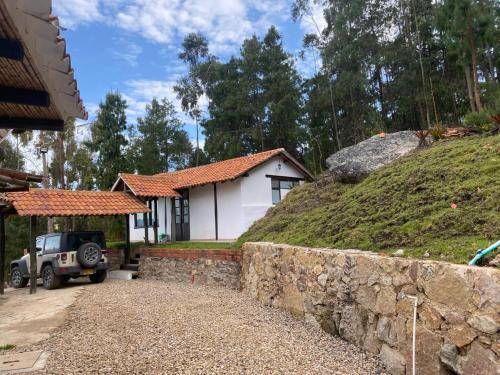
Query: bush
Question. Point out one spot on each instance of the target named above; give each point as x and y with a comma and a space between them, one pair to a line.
480, 121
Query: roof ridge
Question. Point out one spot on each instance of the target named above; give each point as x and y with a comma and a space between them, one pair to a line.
272, 151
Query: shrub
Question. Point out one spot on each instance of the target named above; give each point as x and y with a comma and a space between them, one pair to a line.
480, 121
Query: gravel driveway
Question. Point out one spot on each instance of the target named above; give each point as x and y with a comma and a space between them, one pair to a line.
151, 327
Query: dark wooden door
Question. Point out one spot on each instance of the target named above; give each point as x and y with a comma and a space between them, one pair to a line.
181, 207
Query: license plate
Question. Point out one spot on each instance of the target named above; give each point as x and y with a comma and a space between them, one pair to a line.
87, 272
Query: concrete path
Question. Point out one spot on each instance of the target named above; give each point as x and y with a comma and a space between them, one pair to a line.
28, 318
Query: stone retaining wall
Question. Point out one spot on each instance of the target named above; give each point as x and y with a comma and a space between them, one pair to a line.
206, 267
360, 297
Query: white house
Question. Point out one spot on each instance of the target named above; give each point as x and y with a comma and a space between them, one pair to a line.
218, 201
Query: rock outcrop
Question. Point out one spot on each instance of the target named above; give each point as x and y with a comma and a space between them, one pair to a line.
354, 163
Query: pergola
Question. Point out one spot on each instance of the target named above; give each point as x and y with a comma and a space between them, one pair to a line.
60, 203
38, 90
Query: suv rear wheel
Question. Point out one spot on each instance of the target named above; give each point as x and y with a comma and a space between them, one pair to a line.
50, 279
89, 255
98, 277
16, 278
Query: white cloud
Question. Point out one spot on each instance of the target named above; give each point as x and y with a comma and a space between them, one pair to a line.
140, 92
128, 51
224, 22
72, 13
314, 22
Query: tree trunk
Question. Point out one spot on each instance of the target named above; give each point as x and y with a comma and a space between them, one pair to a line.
473, 55
469, 88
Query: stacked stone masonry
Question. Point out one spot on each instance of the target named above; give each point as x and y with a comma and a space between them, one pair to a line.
360, 296
206, 267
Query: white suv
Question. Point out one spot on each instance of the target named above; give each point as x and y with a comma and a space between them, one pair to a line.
61, 256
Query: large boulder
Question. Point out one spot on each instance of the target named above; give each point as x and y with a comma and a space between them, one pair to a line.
354, 163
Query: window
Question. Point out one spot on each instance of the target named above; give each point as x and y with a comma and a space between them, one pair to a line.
39, 243
281, 187
76, 239
52, 244
139, 218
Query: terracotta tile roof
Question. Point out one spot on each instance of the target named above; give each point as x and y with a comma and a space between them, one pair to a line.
165, 184
40, 202
149, 186
218, 172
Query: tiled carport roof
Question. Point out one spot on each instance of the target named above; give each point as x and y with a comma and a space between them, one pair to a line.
53, 202
166, 184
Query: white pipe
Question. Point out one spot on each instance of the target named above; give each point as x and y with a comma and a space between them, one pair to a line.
415, 304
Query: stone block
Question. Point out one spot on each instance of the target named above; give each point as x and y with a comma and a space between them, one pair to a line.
393, 360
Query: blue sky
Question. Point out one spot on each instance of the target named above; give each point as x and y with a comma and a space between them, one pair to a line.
131, 45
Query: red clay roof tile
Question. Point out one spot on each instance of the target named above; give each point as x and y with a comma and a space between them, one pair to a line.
53, 202
165, 184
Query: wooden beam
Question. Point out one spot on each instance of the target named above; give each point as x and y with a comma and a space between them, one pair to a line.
11, 49
127, 239
216, 213
146, 226
32, 254
14, 95
20, 175
31, 123
155, 221
2, 252
13, 181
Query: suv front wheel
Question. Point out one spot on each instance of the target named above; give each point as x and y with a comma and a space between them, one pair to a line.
50, 279
16, 278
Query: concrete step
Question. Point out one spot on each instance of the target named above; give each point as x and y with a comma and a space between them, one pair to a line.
122, 275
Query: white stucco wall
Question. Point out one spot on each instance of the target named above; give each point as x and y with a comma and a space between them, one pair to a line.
137, 234
256, 189
229, 208
201, 204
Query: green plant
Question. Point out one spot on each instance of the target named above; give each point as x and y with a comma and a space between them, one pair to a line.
480, 121
7, 347
437, 132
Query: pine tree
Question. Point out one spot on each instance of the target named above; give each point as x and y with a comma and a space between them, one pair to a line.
162, 144
108, 140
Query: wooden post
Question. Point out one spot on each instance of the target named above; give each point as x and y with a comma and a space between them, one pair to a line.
172, 220
155, 221
127, 239
32, 248
146, 226
2, 252
216, 213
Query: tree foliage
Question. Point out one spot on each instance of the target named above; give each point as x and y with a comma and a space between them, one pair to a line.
162, 144
108, 140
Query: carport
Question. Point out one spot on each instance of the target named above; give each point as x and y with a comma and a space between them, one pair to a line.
64, 203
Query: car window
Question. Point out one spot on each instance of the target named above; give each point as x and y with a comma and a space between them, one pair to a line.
76, 239
39, 243
52, 244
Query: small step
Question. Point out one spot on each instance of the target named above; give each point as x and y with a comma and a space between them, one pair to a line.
122, 275
130, 267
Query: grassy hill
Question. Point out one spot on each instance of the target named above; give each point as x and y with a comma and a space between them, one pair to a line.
405, 205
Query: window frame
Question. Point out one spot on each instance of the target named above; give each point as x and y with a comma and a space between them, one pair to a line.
293, 181
54, 250
152, 219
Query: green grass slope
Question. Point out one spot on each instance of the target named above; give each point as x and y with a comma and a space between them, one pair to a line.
405, 205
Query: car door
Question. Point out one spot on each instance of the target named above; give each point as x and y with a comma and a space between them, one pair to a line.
51, 248
40, 241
